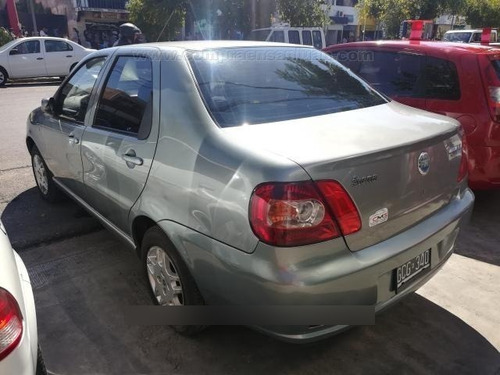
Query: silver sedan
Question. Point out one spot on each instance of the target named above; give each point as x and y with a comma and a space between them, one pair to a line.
246, 173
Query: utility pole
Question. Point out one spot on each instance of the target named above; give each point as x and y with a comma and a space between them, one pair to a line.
33, 18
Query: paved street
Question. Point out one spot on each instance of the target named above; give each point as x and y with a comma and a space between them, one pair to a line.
83, 278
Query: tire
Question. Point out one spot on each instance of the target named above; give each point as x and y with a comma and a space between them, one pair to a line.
171, 270
3, 76
40, 363
43, 178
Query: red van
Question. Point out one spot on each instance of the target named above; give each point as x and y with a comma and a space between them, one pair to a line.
458, 80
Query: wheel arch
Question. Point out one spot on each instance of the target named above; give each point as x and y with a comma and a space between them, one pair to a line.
140, 226
30, 143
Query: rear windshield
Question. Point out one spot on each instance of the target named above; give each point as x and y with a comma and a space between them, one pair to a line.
457, 37
244, 86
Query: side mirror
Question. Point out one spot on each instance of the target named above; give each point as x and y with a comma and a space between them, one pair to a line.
14, 51
48, 105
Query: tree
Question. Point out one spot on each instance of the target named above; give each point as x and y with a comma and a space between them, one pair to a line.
392, 12
5, 36
304, 12
158, 19
483, 13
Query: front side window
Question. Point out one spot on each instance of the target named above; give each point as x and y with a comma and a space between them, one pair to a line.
257, 85
75, 94
57, 46
126, 100
33, 46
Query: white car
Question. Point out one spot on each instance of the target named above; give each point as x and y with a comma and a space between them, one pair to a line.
19, 351
39, 57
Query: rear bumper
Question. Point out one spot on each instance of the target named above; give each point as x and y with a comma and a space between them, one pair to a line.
320, 274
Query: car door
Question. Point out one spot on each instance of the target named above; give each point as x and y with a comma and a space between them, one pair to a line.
59, 56
63, 129
27, 60
118, 148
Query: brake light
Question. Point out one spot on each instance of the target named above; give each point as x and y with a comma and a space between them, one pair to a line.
462, 171
491, 77
11, 323
300, 213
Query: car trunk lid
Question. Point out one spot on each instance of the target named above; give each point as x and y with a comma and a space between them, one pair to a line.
398, 164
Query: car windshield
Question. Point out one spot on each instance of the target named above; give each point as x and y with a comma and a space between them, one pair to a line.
8, 45
257, 85
457, 37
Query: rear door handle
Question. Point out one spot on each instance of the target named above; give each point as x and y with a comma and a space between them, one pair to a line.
73, 140
69, 56
131, 159
39, 58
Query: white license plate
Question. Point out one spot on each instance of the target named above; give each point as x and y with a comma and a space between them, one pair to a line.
411, 269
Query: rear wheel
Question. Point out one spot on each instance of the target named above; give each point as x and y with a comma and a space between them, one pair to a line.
3, 76
46, 186
169, 279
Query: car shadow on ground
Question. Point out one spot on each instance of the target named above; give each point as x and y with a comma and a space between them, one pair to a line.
483, 231
30, 221
82, 288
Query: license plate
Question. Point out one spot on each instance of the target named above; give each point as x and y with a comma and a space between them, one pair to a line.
411, 269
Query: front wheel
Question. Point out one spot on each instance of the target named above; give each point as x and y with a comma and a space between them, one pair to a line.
46, 186
169, 279
3, 76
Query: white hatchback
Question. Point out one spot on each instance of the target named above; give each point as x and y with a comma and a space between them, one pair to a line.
19, 351
39, 57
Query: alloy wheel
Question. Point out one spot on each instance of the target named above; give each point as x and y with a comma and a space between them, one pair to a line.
164, 278
41, 177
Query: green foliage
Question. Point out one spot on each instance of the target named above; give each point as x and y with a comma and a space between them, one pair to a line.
151, 16
4, 36
391, 13
304, 12
483, 13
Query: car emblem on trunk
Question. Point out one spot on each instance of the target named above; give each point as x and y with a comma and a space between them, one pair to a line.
424, 163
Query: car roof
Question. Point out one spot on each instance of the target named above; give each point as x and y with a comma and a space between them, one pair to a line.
420, 45
201, 45
24, 39
465, 31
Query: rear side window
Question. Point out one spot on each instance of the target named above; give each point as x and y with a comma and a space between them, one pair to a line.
293, 37
126, 100
496, 66
441, 79
307, 38
257, 85
278, 36
317, 39
57, 46
394, 74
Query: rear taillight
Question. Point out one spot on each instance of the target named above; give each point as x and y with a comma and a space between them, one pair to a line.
11, 323
300, 213
491, 75
462, 171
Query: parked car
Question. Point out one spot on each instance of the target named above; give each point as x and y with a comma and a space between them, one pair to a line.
255, 174
19, 350
39, 57
457, 80
309, 36
467, 36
